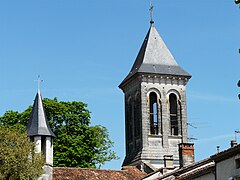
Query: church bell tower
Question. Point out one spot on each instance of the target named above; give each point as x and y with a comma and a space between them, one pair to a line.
155, 106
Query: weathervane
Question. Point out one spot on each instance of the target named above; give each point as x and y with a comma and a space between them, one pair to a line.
151, 11
39, 81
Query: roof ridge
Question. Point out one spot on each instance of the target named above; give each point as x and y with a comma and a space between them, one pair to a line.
127, 167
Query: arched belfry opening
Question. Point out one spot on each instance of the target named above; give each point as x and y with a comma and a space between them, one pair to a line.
129, 124
173, 114
137, 122
153, 107
137, 112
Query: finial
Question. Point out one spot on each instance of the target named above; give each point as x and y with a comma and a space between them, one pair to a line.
39, 81
151, 12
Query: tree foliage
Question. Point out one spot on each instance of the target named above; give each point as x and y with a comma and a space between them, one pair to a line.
77, 144
18, 159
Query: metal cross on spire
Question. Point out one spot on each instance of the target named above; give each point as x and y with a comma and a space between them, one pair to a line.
151, 12
39, 81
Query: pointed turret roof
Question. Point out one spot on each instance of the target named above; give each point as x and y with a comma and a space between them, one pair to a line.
38, 124
154, 57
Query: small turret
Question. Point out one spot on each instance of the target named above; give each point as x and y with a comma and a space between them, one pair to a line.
39, 131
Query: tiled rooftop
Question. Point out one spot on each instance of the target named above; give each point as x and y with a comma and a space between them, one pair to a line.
127, 173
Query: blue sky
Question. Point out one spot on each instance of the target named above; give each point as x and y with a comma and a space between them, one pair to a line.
84, 49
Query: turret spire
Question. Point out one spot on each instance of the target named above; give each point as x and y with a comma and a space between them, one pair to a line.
155, 58
38, 124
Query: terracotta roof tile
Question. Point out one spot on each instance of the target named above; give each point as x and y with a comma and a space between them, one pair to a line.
127, 173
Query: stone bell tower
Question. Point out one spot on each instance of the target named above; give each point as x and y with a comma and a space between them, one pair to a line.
155, 106
39, 131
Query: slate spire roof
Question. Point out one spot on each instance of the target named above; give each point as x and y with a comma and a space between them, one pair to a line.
154, 57
38, 124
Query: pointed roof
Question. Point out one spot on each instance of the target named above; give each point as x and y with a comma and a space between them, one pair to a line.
154, 57
38, 124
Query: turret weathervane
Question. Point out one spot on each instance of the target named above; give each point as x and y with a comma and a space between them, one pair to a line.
39, 81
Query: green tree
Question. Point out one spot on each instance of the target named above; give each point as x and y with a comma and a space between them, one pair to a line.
237, 1
18, 159
77, 144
